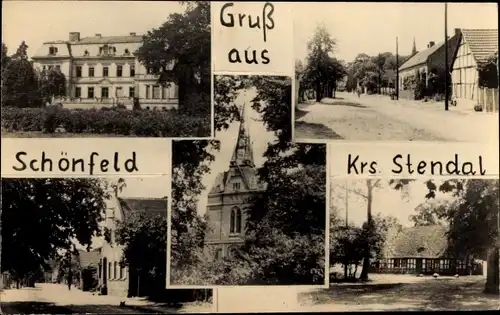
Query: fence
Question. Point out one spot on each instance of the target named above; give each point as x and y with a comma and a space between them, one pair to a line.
488, 99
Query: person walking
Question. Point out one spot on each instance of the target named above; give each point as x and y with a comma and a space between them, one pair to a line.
359, 92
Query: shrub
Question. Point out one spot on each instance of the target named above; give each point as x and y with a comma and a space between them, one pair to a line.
106, 121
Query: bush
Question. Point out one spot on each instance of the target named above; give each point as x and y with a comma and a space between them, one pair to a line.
106, 121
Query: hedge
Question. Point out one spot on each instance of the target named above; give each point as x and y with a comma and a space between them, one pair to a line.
143, 123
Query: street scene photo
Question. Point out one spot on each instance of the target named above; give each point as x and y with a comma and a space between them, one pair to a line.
86, 245
115, 69
378, 72
412, 245
248, 208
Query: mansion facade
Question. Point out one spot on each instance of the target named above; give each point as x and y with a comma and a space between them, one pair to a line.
228, 198
103, 71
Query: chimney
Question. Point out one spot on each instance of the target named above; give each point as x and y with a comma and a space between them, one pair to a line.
431, 44
74, 36
457, 32
132, 34
98, 35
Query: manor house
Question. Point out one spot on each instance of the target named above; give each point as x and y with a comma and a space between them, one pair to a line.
103, 71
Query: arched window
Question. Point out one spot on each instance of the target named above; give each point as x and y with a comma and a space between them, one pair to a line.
110, 269
235, 224
115, 270
238, 221
232, 225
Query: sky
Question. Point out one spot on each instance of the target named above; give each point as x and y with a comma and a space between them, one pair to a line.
259, 137
372, 28
386, 200
39, 21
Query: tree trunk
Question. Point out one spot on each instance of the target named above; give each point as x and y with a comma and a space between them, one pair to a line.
318, 92
366, 259
345, 271
492, 272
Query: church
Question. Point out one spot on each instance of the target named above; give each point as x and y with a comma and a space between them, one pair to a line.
228, 197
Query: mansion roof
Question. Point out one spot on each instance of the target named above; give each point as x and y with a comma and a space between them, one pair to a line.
88, 259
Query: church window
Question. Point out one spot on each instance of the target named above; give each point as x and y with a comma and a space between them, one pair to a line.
235, 223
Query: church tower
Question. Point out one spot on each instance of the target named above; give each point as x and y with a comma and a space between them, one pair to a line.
228, 198
414, 49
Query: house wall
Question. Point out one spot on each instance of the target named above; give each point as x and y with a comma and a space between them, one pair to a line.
409, 72
465, 77
117, 278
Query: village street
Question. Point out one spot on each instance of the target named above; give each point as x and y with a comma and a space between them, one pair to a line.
48, 298
377, 117
402, 293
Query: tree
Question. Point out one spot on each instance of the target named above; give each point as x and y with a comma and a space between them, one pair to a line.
472, 219
319, 61
19, 82
190, 161
52, 83
144, 240
488, 72
179, 52
43, 216
226, 89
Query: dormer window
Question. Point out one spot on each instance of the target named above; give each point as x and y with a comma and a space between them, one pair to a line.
107, 50
86, 53
127, 52
52, 50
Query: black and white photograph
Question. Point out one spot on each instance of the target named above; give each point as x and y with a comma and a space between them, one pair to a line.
109, 69
85, 245
248, 208
412, 245
396, 71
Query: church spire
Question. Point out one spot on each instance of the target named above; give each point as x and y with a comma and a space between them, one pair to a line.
414, 49
243, 152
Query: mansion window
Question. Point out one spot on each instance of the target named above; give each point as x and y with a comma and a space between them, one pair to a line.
91, 72
78, 71
121, 272
104, 92
86, 53
397, 263
119, 71
235, 224
127, 52
156, 92
110, 266
444, 264
78, 92
90, 92
147, 91
52, 51
166, 93
58, 67
115, 270
105, 71
236, 186
51, 67
131, 91
132, 71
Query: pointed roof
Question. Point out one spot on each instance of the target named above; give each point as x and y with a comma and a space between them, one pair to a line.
243, 152
482, 42
147, 205
420, 241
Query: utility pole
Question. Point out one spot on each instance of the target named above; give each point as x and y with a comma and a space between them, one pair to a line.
446, 72
397, 70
